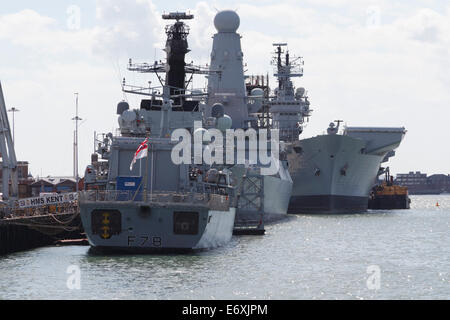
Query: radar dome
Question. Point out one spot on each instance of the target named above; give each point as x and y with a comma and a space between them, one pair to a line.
227, 21
217, 110
257, 92
129, 116
300, 92
224, 123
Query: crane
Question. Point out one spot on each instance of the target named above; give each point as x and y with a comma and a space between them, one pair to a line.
8, 154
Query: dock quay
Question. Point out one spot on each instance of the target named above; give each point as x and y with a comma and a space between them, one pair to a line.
26, 233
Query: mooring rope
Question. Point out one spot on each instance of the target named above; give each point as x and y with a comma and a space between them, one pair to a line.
75, 215
63, 225
34, 225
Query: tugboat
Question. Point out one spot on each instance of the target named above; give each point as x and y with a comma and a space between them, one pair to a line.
388, 196
156, 205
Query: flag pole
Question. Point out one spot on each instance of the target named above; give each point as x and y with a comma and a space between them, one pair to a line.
146, 169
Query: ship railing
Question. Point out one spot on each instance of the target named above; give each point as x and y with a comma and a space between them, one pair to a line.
213, 201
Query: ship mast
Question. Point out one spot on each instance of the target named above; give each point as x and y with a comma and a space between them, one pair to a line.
176, 49
288, 107
175, 68
284, 72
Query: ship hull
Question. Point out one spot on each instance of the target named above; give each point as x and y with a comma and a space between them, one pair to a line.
327, 204
265, 198
331, 174
389, 202
140, 228
277, 193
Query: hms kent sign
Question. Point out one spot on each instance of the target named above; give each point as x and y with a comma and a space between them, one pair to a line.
48, 200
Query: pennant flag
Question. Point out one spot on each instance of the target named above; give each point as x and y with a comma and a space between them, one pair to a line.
141, 152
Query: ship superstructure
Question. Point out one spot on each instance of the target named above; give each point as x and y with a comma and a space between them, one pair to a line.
290, 106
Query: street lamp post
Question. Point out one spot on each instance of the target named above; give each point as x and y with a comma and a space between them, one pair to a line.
77, 119
14, 110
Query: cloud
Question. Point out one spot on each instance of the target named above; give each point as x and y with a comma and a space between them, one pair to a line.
30, 30
127, 28
427, 25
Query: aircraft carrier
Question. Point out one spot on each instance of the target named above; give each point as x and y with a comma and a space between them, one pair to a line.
334, 173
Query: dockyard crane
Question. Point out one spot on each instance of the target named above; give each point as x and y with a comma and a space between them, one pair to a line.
8, 154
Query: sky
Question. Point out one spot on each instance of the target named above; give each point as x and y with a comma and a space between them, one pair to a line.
367, 62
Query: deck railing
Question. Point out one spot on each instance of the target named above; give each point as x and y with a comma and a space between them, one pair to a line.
213, 201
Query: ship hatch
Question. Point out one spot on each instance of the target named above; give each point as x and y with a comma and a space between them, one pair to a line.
185, 222
106, 223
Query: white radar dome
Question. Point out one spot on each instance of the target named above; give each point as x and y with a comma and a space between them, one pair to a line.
300, 92
227, 21
129, 116
257, 92
224, 123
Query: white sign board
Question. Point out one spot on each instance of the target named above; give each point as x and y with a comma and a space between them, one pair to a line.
48, 200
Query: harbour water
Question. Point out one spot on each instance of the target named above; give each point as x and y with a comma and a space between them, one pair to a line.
403, 254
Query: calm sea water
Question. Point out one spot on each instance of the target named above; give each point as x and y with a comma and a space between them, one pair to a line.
403, 254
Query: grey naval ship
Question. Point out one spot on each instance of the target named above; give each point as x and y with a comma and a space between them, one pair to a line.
332, 173
156, 205
262, 197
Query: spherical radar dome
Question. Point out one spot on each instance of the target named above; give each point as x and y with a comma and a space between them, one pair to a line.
227, 21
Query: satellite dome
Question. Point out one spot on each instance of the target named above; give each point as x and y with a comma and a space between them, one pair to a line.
227, 21
224, 123
300, 92
257, 92
129, 116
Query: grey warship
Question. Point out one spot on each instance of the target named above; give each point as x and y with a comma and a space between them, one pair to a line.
335, 173
156, 205
262, 197
332, 173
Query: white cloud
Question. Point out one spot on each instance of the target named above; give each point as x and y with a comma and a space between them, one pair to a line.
127, 27
29, 30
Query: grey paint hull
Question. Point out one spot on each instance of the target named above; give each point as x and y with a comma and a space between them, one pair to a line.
331, 174
276, 197
154, 230
277, 193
